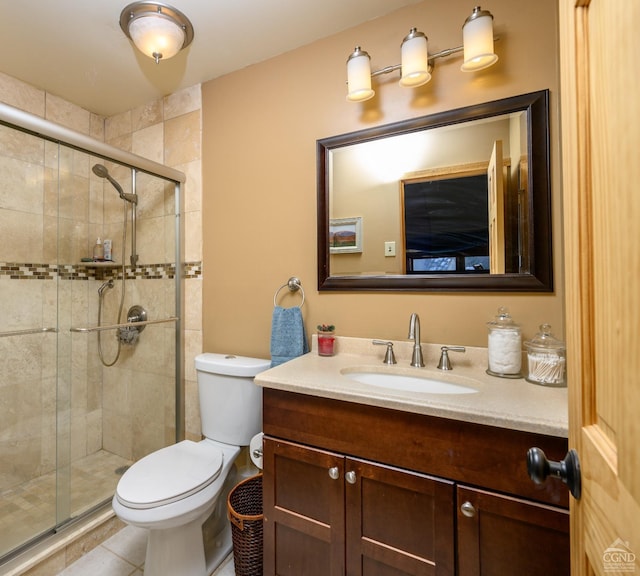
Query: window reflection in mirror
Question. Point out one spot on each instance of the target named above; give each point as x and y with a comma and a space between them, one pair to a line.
445, 226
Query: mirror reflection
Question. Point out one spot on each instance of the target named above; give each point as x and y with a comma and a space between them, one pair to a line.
439, 202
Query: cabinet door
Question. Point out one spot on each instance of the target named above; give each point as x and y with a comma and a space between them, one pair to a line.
303, 510
399, 523
500, 535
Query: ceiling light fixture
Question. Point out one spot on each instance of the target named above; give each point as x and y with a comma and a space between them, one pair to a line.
157, 29
417, 64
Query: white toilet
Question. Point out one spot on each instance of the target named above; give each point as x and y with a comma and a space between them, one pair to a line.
174, 490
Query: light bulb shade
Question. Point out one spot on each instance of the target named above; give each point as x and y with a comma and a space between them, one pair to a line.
477, 37
157, 29
359, 76
415, 60
157, 37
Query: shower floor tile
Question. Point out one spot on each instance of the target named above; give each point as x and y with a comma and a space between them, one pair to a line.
29, 510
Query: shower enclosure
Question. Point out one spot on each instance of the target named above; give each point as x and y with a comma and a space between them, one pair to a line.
70, 423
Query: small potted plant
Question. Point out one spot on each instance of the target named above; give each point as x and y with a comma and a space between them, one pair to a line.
326, 339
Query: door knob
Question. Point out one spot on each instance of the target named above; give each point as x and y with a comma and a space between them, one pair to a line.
568, 470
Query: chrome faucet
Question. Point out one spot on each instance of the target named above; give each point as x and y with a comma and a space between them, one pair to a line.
414, 334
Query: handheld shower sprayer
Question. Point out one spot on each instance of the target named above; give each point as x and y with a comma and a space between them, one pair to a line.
105, 285
101, 171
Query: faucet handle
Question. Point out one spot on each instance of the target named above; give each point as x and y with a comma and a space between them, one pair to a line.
445, 363
389, 357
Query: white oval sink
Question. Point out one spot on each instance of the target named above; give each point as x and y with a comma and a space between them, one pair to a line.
409, 383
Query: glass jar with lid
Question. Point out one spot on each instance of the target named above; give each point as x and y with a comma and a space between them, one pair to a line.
505, 346
546, 357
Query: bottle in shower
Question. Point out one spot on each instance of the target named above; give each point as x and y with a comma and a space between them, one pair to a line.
106, 246
98, 251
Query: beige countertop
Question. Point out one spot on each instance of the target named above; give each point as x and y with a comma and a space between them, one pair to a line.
503, 402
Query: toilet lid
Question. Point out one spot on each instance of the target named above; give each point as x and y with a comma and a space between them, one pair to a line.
170, 474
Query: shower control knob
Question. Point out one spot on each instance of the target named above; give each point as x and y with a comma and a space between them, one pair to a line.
334, 473
350, 477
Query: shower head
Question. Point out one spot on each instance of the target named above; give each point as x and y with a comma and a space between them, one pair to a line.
101, 171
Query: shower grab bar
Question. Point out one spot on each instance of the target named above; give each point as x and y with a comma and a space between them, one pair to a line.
28, 331
125, 325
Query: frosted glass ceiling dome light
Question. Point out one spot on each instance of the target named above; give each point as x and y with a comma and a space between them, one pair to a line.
157, 29
477, 37
359, 76
415, 60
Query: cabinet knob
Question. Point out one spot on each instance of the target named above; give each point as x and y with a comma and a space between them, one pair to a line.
350, 477
468, 510
568, 470
334, 473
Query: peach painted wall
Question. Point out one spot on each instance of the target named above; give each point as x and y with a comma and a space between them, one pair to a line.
260, 127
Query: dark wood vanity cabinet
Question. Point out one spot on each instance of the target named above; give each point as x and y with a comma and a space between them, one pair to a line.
329, 515
499, 535
304, 516
358, 490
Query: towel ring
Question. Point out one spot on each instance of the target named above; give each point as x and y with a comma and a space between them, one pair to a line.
294, 285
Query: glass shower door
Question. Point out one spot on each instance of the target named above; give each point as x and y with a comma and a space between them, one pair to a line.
81, 396
28, 342
116, 385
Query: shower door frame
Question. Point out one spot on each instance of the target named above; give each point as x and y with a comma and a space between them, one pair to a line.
25, 122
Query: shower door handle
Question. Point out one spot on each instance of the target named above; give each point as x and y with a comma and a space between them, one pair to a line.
27, 331
125, 325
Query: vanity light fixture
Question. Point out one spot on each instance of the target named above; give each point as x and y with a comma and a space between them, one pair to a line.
157, 29
417, 64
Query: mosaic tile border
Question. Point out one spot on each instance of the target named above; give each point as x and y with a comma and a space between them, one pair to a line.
29, 271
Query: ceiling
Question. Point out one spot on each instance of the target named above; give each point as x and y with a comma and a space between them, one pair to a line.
75, 49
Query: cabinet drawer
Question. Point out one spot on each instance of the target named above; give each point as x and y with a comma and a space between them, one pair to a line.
465, 452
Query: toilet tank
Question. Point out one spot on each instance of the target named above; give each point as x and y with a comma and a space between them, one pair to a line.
230, 402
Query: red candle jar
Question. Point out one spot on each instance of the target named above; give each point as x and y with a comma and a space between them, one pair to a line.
326, 343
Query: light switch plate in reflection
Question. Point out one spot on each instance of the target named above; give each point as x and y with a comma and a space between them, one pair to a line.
389, 248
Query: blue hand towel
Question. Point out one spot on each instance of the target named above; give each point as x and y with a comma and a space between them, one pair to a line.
288, 339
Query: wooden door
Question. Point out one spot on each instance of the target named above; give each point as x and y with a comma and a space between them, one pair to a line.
303, 499
500, 535
398, 523
600, 56
495, 185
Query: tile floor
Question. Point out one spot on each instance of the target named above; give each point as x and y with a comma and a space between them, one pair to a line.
123, 555
30, 508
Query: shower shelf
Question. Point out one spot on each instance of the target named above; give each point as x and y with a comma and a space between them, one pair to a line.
110, 264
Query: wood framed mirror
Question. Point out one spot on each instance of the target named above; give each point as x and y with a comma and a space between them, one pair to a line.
422, 225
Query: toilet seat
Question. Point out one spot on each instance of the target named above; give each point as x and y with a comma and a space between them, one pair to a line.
170, 474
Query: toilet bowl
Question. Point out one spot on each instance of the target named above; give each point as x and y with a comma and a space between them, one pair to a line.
174, 490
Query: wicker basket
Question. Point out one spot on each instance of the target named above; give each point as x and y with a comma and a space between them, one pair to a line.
244, 508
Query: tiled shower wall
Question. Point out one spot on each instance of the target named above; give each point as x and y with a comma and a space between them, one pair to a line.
169, 131
121, 413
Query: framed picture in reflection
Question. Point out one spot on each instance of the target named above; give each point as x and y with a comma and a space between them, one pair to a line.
345, 235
